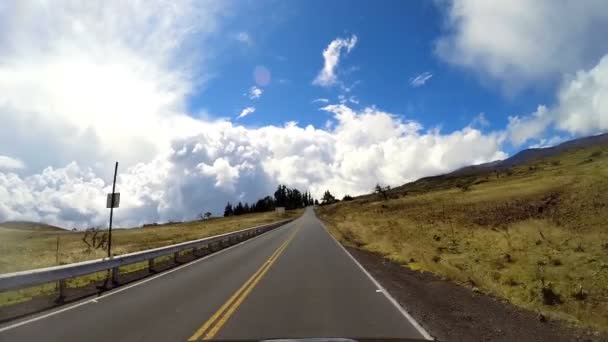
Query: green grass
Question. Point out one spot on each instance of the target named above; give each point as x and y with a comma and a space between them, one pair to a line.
540, 228
23, 249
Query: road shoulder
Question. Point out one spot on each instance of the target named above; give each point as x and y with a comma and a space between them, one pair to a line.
451, 312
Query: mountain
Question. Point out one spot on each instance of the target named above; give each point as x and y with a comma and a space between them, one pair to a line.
469, 174
534, 154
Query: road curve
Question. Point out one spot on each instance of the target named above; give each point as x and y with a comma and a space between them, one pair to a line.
292, 282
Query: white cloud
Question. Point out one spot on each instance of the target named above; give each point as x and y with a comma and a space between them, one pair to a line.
421, 79
255, 93
342, 99
8, 163
552, 141
581, 108
320, 100
583, 102
225, 162
524, 41
244, 38
480, 120
331, 56
246, 111
522, 129
99, 83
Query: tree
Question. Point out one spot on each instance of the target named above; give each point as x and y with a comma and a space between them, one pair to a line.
294, 199
239, 209
347, 198
328, 198
280, 196
264, 204
316, 202
382, 190
207, 215
228, 211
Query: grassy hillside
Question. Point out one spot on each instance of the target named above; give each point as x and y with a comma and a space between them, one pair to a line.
535, 234
29, 249
26, 225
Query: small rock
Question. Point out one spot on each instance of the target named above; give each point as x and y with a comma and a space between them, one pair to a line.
542, 318
476, 289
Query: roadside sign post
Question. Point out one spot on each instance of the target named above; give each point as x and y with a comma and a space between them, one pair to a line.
112, 202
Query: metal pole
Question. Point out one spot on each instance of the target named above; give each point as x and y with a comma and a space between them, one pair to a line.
112, 212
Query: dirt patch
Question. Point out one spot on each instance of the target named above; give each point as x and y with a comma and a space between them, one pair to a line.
516, 210
451, 312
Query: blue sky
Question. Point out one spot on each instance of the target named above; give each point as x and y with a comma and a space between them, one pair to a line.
395, 43
159, 86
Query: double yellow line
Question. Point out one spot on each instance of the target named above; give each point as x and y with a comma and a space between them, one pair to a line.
221, 316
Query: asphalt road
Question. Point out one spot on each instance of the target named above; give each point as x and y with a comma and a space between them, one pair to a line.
292, 282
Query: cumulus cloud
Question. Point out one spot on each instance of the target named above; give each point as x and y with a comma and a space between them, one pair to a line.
581, 108
246, 111
522, 129
331, 56
255, 93
421, 79
227, 162
8, 163
524, 41
106, 77
520, 43
583, 102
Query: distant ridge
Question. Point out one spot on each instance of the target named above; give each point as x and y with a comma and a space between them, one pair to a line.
27, 225
528, 155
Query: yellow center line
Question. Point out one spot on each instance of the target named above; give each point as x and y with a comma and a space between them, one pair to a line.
213, 325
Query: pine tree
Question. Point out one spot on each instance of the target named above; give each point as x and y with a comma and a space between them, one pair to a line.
228, 211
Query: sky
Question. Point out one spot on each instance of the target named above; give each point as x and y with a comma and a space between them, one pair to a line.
205, 102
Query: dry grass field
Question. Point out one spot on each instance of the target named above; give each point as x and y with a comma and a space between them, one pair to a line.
22, 248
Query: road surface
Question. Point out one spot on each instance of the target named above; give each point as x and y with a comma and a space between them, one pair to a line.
294, 281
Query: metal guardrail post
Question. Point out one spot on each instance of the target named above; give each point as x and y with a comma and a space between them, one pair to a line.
151, 266
62, 287
115, 273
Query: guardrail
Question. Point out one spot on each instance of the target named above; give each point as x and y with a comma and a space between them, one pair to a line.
17, 280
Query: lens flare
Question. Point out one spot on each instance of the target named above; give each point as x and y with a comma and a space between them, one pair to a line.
261, 75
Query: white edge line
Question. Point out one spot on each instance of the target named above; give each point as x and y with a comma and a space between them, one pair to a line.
124, 288
390, 298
